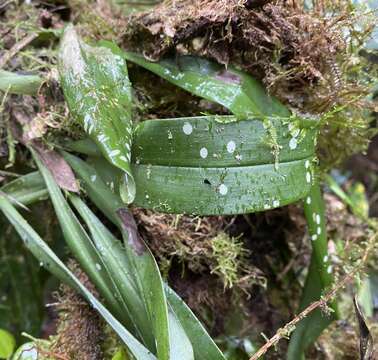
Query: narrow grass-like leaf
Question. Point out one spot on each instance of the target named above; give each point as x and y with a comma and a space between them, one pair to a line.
19, 84
26, 189
118, 267
79, 242
149, 282
244, 96
98, 92
47, 257
203, 345
143, 266
319, 277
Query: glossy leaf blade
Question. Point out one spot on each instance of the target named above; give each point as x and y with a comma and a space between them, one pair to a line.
319, 277
98, 92
150, 284
45, 255
220, 141
79, 242
211, 191
118, 267
203, 345
237, 91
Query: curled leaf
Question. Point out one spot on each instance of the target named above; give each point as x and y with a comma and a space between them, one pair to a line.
98, 92
239, 92
366, 340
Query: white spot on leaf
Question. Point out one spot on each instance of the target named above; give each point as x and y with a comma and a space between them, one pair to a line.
187, 128
231, 146
223, 189
204, 153
114, 153
293, 143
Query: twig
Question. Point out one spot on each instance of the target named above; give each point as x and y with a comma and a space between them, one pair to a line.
321, 303
16, 48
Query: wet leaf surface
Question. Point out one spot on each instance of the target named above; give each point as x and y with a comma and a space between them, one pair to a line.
98, 92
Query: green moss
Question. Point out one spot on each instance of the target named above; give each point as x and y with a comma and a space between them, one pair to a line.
229, 258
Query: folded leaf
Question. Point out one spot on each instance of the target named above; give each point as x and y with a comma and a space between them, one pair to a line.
318, 279
80, 243
119, 269
140, 262
203, 346
98, 92
47, 257
244, 96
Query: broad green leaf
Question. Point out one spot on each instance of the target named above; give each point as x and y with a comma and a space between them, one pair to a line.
80, 244
237, 91
19, 84
211, 191
51, 262
221, 141
205, 191
216, 165
319, 277
98, 92
7, 344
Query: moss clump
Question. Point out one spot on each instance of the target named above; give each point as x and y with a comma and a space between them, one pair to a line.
199, 246
231, 261
293, 51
